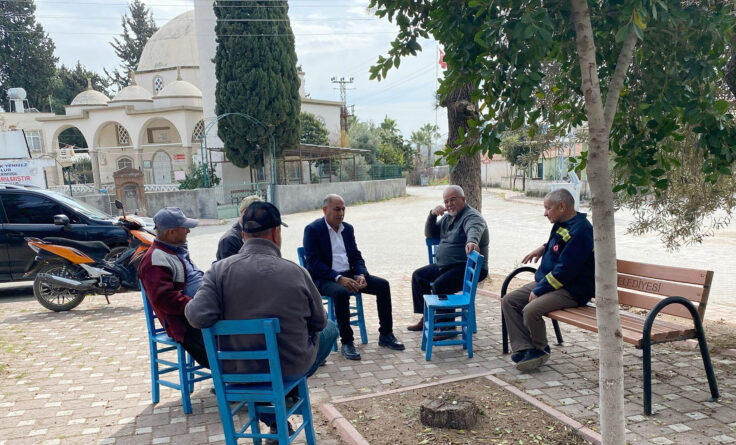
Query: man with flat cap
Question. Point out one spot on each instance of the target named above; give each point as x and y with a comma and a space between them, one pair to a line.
171, 279
276, 287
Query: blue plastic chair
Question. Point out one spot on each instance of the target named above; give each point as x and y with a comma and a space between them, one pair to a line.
261, 392
356, 311
189, 371
432, 244
461, 305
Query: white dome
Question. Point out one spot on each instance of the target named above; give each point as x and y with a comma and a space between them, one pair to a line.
175, 44
179, 88
90, 97
132, 93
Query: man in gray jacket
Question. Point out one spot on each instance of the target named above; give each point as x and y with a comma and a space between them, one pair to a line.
258, 283
461, 230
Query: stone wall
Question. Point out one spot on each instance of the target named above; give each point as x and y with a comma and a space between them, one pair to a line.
197, 203
298, 198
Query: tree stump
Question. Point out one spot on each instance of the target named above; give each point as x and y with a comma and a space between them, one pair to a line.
449, 411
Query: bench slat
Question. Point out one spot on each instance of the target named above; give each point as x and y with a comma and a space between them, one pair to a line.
648, 301
659, 287
632, 325
669, 273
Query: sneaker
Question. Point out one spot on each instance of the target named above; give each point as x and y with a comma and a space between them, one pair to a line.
273, 430
518, 355
549, 353
390, 341
349, 352
533, 359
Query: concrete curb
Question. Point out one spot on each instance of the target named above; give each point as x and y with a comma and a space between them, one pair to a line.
693, 344
344, 428
350, 435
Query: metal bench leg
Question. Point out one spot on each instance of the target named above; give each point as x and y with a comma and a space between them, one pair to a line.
558, 333
504, 334
706, 360
646, 358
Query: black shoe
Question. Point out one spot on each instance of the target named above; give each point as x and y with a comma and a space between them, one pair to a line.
390, 341
533, 359
274, 430
518, 355
349, 352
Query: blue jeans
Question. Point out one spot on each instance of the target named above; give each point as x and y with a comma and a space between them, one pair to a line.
326, 339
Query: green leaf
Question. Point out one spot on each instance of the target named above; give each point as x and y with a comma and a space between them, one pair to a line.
721, 106
621, 34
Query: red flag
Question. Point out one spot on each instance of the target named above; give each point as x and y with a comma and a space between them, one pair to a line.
443, 64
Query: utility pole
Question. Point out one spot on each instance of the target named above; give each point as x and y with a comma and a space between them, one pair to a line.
342, 85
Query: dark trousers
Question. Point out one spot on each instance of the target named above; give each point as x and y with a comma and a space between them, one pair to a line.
194, 344
444, 280
375, 286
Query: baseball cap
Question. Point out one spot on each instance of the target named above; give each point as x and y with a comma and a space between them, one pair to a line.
260, 216
171, 218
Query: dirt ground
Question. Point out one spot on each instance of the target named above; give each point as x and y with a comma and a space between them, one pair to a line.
720, 334
504, 418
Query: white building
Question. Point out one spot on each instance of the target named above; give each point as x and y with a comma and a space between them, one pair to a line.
155, 124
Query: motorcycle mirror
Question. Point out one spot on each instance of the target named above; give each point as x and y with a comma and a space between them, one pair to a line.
61, 220
118, 204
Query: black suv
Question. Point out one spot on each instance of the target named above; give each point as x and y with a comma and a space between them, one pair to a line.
29, 212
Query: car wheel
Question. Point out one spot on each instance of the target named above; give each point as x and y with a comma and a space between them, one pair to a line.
58, 298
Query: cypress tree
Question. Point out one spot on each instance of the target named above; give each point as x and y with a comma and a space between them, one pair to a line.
256, 72
138, 27
26, 53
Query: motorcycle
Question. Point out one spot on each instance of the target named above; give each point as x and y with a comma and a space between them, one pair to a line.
68, 270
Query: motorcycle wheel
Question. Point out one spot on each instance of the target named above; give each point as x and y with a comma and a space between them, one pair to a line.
56, 298
115, 253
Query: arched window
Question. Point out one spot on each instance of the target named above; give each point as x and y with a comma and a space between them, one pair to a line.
158, 85
198, 132
123, 136
125, 162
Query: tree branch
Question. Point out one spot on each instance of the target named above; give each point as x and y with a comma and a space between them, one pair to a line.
617, 80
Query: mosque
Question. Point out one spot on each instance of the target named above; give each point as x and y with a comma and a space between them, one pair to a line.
154, 125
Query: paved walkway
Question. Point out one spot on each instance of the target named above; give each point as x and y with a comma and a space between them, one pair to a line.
83, 376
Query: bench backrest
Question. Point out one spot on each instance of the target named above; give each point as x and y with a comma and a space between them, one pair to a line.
643, 285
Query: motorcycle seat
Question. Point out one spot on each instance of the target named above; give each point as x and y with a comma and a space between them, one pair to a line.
95, 249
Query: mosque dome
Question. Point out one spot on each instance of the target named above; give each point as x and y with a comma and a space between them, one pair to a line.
179, 88
132, 93
173, 45
90, 97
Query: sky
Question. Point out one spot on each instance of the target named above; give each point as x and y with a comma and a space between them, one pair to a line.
334, 38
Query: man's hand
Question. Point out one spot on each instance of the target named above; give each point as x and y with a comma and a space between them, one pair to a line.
438, 211
471, 247
349, 284
360, 279
534, 255
532, 297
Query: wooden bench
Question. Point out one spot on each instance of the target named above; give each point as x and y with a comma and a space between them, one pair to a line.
675, 291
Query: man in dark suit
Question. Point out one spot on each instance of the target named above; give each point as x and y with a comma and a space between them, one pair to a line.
337, 268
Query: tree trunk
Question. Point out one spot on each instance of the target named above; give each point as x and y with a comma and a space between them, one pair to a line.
611, 386
466, 173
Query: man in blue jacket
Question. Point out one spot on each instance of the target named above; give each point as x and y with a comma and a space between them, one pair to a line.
337, 268
566, 278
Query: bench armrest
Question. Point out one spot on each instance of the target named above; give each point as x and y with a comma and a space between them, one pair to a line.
511, 276
649, 321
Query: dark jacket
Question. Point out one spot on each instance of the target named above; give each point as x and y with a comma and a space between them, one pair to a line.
454, 233
230, 242
567, 261
277, 288
318, 251
164, 278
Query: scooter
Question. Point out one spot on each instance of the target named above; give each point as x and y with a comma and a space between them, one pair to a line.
68, 270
